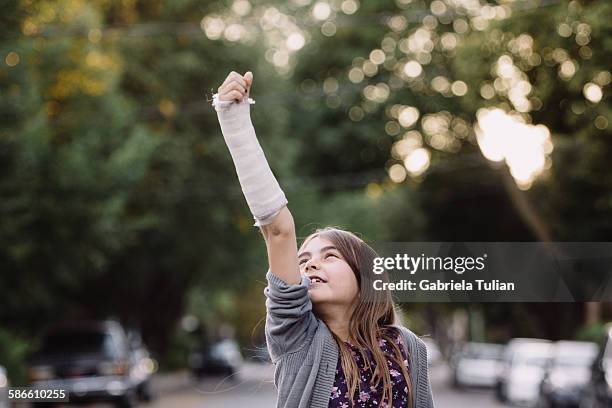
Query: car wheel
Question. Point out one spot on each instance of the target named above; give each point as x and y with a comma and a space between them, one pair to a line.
129, 400
586, 402
499, 392
544, 403
145, 393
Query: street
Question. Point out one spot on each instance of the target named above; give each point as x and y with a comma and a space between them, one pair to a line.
446, 396
254, 389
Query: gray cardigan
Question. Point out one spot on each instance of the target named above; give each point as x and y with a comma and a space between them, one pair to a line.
305, 353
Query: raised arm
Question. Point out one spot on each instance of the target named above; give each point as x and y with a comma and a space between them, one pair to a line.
264, 196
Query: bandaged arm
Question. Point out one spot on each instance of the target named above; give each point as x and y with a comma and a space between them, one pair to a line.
263, 194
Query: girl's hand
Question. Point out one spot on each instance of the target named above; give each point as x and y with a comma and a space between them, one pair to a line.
236, 87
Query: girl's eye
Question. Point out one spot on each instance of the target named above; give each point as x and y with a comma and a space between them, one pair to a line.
330, 254
302, 261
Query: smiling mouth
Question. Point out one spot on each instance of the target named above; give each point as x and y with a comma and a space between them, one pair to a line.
315, 279
315, 282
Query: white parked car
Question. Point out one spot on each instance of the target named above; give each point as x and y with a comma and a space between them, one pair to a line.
478, 365
568, 374
3, 388
523, 367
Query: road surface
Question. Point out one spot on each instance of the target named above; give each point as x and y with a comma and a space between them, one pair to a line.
253, 388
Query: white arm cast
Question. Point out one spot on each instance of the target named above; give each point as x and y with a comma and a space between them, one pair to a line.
261, 190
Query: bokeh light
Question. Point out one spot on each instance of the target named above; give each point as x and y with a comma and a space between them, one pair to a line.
377, 56
417, 161
356, 75
349, 6
459, 88
413, 69
213, 27
12, 59
523, 147
241, 7
592, 92
321, 10
295, 41
408, 116
397, 173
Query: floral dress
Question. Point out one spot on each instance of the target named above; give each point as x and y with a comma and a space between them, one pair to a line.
367, 395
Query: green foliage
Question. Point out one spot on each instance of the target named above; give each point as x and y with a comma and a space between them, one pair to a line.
13, 350
594, 332
119, 196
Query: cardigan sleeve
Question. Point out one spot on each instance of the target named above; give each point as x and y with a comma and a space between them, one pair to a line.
423, 397
290, 321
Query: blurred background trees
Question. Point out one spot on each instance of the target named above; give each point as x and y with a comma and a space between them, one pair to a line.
119, 197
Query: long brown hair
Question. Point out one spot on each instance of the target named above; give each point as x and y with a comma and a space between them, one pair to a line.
372, 317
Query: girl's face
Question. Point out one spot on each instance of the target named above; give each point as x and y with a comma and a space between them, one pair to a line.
332, 279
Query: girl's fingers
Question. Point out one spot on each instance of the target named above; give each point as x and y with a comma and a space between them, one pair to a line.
225, 91
239, 78
236, 95
248, 78
231, 95
249, 82
234, 76
236, 86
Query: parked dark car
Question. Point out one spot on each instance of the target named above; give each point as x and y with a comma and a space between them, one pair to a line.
91, 360
567, 374
218, 358
598, 392
3, 388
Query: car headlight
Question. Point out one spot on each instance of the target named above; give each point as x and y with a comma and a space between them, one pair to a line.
148, 365
40, 373
144, 368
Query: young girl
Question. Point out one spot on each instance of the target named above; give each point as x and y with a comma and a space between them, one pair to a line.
335, 341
